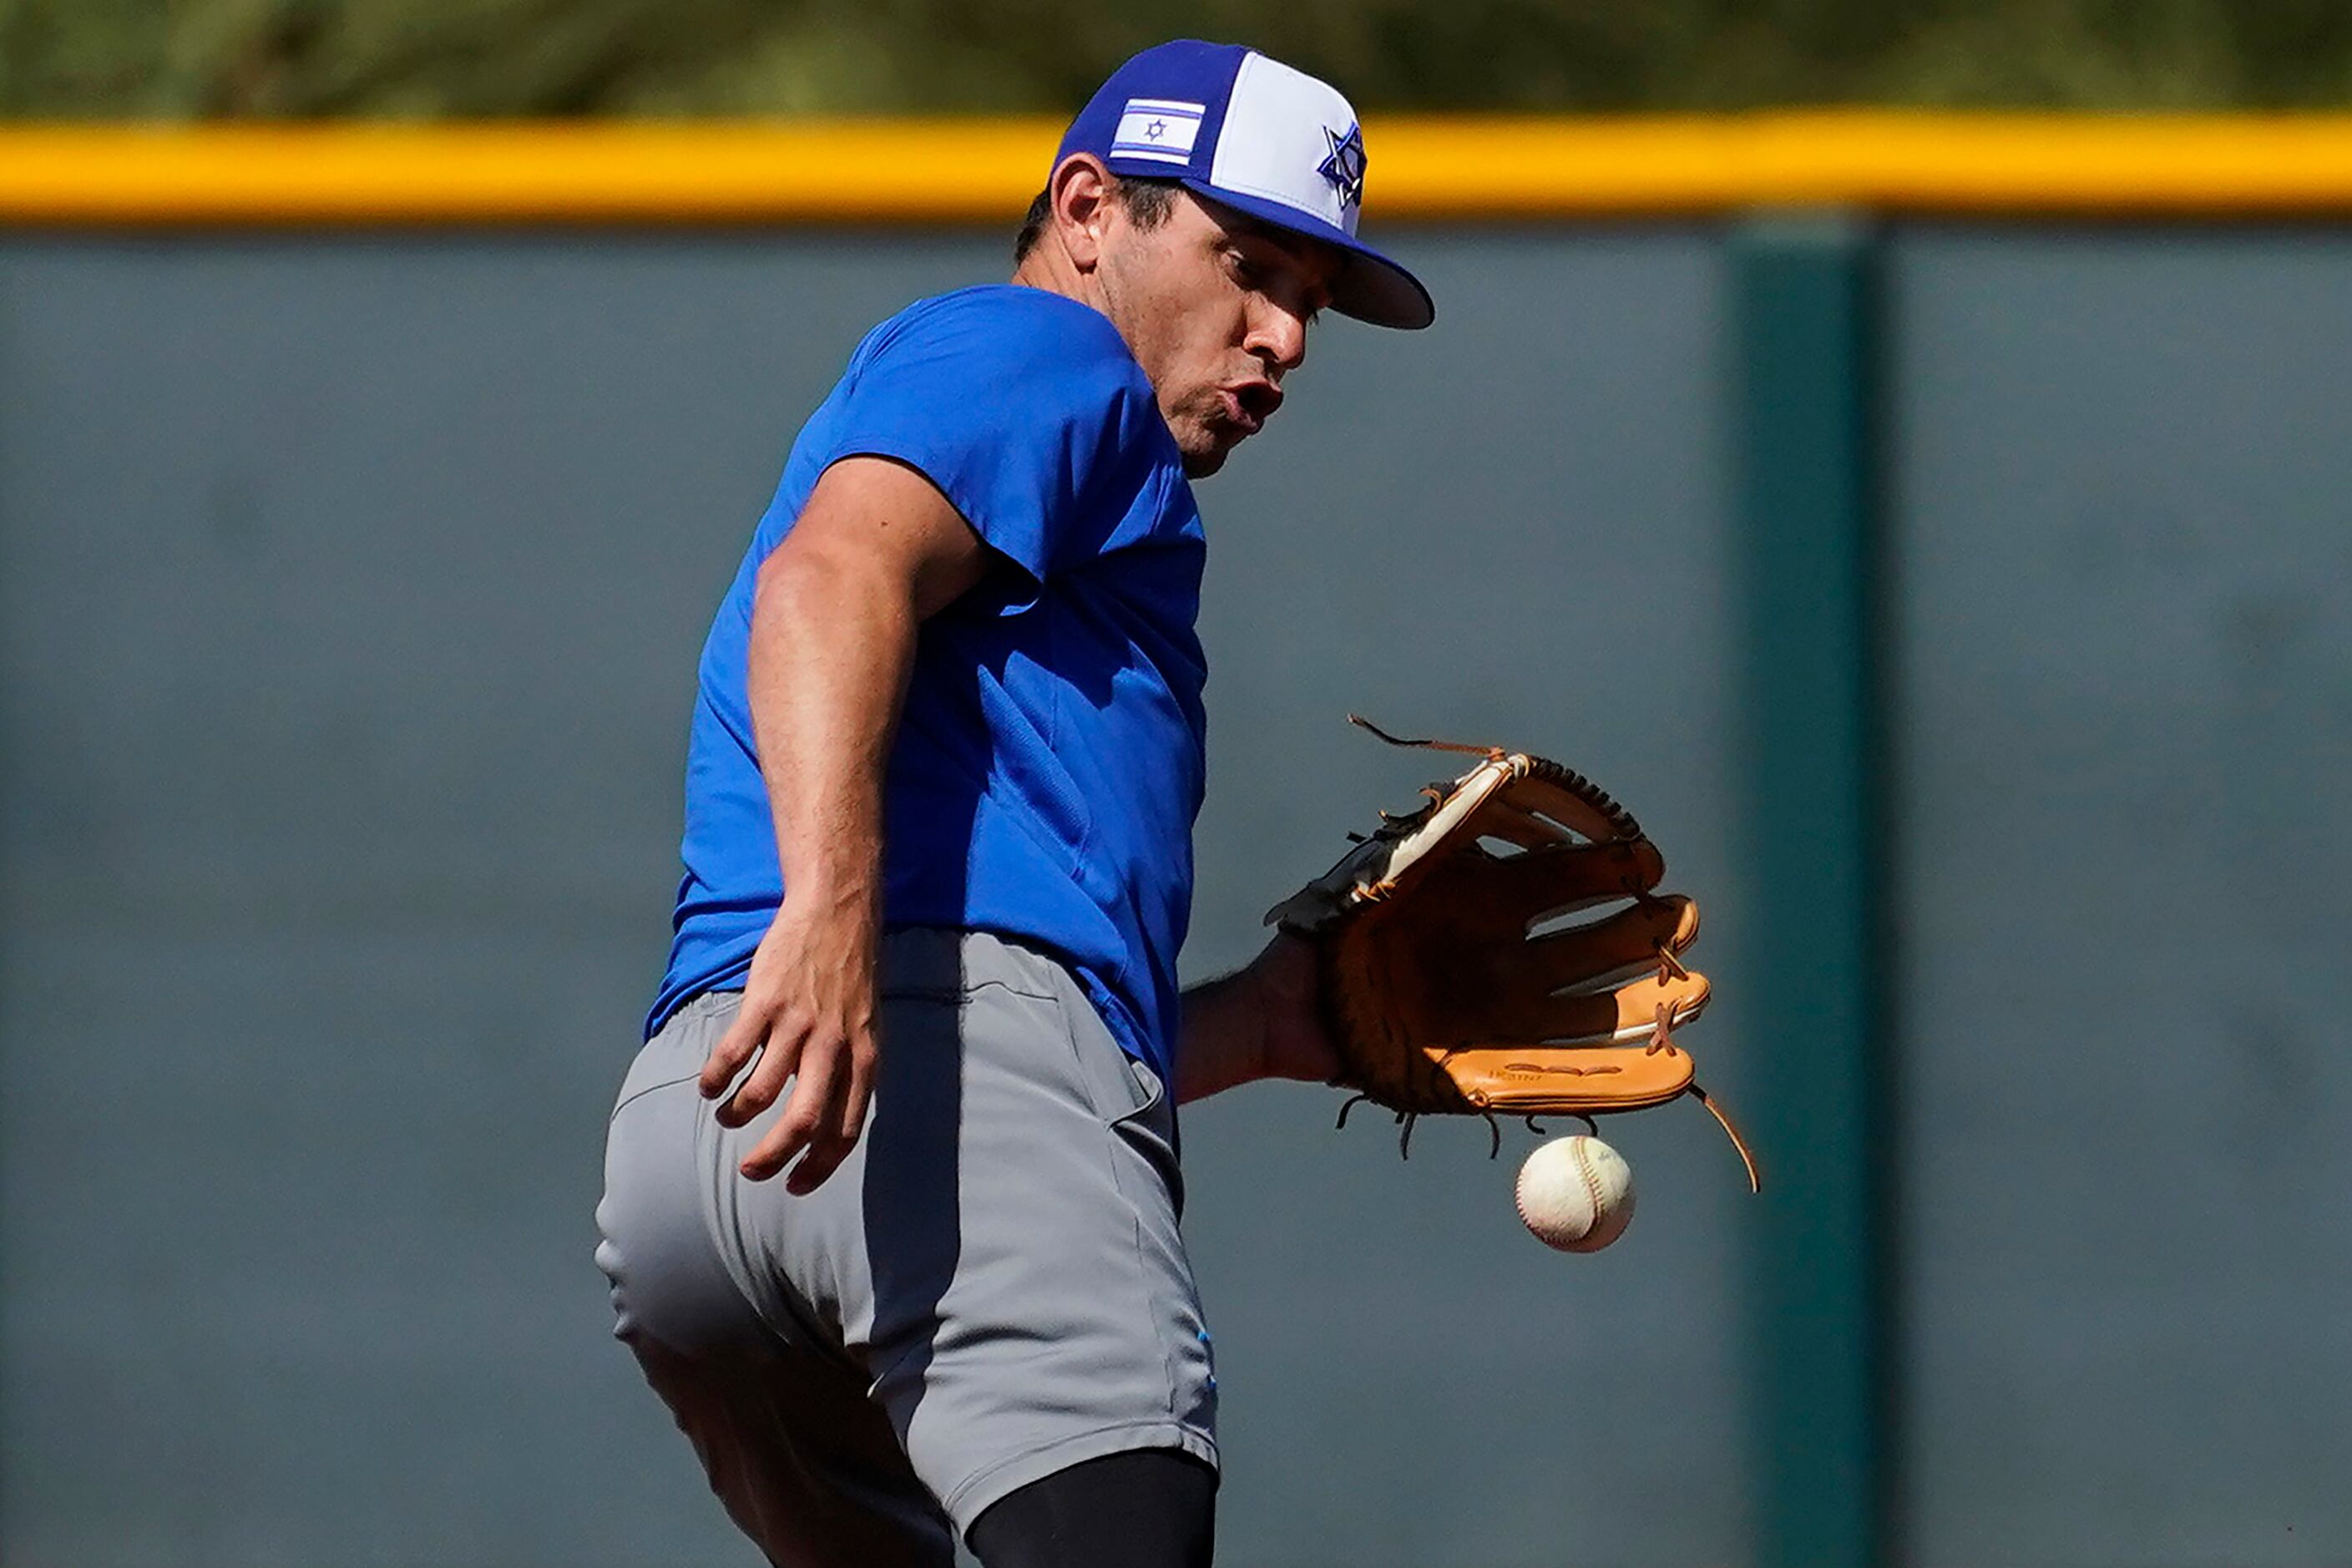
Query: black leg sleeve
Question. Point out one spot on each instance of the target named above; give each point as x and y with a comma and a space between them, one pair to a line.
1155, 1508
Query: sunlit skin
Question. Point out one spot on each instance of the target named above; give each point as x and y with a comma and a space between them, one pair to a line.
1214, 305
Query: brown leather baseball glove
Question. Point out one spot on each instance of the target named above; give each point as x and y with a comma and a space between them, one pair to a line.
1450, 982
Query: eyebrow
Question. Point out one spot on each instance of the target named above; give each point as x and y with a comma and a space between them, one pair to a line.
1295, 246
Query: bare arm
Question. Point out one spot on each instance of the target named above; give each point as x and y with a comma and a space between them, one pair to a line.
1259, 1022
835, 615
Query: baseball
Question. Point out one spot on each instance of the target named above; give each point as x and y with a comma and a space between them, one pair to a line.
1576, 1194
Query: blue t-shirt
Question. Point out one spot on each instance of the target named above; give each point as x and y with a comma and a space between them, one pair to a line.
1049, 760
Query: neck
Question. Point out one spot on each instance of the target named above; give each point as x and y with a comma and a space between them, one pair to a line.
1049, 268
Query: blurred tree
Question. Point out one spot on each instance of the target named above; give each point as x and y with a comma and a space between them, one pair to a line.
424, 58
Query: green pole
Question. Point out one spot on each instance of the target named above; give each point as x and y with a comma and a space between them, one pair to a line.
1804, 334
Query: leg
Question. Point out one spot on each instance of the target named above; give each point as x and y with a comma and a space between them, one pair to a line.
806, 1500
1154, 1507
804, 1462
1001, 1252
992, 1286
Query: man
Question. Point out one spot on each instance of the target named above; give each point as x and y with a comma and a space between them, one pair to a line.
945, 761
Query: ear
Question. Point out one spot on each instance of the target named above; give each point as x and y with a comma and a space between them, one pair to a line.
1078, 195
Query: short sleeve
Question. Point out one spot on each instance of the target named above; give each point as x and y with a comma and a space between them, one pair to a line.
1023, 407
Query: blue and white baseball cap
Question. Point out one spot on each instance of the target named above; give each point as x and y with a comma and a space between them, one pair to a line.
1254, 134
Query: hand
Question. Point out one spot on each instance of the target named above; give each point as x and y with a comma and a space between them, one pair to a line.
1288, 983
809, 1015
1262, 1021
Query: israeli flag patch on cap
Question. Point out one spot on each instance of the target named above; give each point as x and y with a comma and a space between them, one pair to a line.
1164, 129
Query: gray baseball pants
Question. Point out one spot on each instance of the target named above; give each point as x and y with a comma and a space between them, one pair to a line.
990, 1289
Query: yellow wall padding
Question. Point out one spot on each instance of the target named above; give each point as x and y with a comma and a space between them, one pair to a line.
967, 171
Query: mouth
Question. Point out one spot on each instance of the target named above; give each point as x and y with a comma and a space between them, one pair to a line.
1250, 405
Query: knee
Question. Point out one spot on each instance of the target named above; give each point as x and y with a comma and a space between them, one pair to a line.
1153, 1507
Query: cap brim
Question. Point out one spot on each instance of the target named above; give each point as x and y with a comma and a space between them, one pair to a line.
1369, 288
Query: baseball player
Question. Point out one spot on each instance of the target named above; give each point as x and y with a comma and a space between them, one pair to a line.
945, 760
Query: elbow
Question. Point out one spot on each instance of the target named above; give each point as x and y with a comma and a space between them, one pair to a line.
814, 581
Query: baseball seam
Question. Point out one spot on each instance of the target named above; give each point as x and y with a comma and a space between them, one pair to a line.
1584, 1168
1592, 1178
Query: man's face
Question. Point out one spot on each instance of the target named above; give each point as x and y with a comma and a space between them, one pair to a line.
1215, 307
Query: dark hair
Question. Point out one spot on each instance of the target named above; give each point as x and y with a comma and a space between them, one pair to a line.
1147, 202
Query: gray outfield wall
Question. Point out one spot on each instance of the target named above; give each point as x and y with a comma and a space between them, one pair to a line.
350, 591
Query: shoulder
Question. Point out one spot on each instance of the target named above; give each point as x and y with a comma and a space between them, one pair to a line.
1050, 321
1009, 334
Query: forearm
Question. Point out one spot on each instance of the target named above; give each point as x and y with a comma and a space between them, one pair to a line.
831, 649
835, 615
1263, 1021
1220, 1040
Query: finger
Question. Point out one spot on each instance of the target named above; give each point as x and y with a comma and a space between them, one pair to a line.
812, 1090
863, 1057
779, 1059
841, 1122
825, 1152
733, 1049
836, 1133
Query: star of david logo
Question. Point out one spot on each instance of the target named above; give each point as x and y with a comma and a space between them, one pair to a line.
1345, 167
1155, 130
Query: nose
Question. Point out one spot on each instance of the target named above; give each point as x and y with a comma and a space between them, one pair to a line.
1277, 335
